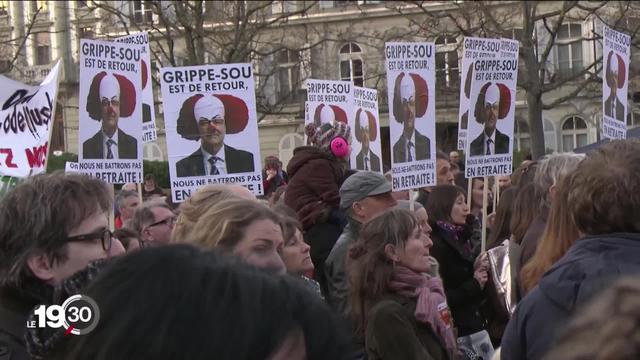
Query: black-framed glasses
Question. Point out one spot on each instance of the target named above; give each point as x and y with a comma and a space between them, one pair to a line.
168, 221
106, 237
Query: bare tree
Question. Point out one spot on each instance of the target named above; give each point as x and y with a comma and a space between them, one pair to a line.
536, 25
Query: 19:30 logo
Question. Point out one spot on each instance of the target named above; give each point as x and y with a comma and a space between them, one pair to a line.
78, 315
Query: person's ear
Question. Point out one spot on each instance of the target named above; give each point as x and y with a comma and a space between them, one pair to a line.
146, 235
41, 267
552, 192
357, 208
391, 252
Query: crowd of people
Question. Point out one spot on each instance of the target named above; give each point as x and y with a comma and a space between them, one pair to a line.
332, 264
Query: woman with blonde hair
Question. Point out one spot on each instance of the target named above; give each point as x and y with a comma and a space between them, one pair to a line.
200, 201
559, 234
241, 227
398, 307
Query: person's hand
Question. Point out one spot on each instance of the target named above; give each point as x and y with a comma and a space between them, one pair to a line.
270, 176
482, 262
481, 276
491, 220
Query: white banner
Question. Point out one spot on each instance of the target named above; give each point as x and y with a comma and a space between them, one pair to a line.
489, 145
412, 113
211, 126
328, 101
465, 92
365, 130
148, 109
615, 83
110, 111
25, 116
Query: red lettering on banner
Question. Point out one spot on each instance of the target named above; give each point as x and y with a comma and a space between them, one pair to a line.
9, 159
37, 156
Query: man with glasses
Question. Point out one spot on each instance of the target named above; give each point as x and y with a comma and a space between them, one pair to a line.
213, 116
52, 227
153, 221
110, 97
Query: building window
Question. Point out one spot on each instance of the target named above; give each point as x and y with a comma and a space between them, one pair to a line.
86, 32
569, 49
351, 65
288, 75
523, 137
4, 7
574, 133
550, 137
447, 71
81, 4
142, 12
5, 66
286, 146
152, 152
43, 48
280, 7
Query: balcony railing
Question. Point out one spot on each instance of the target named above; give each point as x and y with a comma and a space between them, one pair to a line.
35, 74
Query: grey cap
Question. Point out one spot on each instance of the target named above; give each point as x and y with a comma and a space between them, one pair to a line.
361, 185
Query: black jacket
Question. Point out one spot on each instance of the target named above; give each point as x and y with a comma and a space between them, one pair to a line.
235, 161
589, 267
335, 268
463, 292
501, 145
127, 147
619, 108
422, 148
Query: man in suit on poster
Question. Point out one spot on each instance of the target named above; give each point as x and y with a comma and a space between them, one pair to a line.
209, 118
410, 100
366, 131
492, 104
615, 79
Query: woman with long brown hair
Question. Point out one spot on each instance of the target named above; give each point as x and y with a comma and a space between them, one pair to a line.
559, 234
398, 308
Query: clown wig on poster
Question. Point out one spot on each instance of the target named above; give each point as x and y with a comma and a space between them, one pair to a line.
410, 102
111, 97
207, 119
493, 104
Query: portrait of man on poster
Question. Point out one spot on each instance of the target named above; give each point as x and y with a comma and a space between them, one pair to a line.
493, 103
410, 101
366, 132
111, 97
208, 119
615, 77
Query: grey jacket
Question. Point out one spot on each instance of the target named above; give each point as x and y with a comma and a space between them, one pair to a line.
335, 268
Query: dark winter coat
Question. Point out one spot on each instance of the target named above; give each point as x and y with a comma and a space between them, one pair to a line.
463, 292
586, 270
15, 307
392, 332
335, 268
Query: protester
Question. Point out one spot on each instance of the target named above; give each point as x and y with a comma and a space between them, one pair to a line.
154, 222
605, 329
524, 174
549, 172
463, 272
504, 182
363, 196
397, 306
272, 176
52, 227
244, 228
199, 305
443, 176
454, 158
501, 227
128, 237
477, 191
150, 188
559, 235
315, 177
295, 252
127, 202
521, 218
199, 202
603, 201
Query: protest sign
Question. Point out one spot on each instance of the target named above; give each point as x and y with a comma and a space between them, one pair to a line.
615, 79
110, 113
365, 150
25, 116
489, 146
412, 124
328, 101
465, 92
148, 110
212, 127
71, 167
